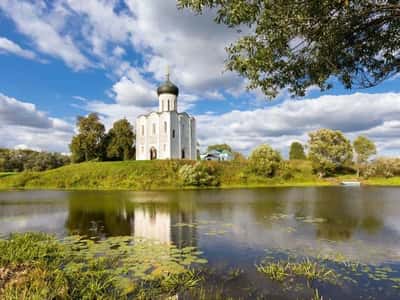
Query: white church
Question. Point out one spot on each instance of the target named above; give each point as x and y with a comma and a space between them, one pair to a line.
167, 133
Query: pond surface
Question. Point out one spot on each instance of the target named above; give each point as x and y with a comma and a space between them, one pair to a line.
355, 231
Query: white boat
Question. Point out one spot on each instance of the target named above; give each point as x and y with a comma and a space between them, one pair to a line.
351, 183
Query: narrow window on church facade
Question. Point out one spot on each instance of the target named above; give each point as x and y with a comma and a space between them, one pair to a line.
162, 105
154, 128
165, 127
142, 130
173, 133
168, 104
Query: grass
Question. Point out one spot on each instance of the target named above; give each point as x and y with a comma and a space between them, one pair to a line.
163, 175
5, 174
306, 268
38, 266
393, 181
150, 175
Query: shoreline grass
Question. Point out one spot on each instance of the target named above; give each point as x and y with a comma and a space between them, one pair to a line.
39, 266
162, 176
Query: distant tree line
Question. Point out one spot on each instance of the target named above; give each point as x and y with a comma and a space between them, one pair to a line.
93, 142
29, 160
329, 152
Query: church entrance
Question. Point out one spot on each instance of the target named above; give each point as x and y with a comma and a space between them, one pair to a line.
153, 153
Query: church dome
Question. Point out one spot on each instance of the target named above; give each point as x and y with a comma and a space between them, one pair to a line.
168, 88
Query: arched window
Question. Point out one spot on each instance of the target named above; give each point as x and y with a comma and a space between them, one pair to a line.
173, 133
165, 127
168, 104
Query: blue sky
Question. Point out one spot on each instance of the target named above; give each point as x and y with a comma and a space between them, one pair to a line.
64, 58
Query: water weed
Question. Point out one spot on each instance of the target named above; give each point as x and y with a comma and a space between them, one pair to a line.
37, 266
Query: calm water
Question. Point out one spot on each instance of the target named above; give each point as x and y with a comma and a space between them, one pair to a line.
238, 229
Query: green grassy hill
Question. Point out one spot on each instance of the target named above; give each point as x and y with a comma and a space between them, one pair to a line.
149, 175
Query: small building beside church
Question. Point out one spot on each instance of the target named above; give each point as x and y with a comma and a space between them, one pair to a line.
166, 133
217, 155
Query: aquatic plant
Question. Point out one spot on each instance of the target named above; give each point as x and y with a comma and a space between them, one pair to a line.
38, 266
275, 271
306, 268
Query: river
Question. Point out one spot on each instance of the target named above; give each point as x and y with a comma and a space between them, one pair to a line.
238, 229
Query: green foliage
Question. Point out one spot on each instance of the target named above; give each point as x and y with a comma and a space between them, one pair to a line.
89, 143
329, 151
238, 157
299, 44
37, 266
383, 167
120, 141
153, 175
200, 174
364, 149
29, 160
219, 147
296, 151
306, 268
264, 161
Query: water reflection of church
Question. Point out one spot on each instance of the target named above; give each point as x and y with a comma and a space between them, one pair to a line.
151, 221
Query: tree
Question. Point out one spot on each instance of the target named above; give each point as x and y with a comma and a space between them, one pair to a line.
364, 148
329, 151
238, 157
120, 144
88, 144
219, 147
300, 44
296, 151
265, 161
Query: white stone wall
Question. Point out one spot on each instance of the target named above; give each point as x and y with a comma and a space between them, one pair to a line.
175, 147
168, 131
167, 102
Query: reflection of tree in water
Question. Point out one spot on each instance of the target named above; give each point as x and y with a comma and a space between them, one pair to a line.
98, 214
102, 214
344, 215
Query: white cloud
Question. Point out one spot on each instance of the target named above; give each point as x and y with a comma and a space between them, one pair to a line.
193, 46
110, 113
9, 46
44, 29
23, 125
132, 89
374, 115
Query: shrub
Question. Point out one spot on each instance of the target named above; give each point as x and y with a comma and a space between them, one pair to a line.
383, 167
286, 170
264, 161
200, 174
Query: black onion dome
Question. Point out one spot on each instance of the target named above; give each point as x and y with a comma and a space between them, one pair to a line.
168, 88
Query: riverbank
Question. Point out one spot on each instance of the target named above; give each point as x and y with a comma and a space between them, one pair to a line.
164, 175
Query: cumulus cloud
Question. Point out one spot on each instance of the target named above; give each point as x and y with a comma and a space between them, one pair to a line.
97, 33
23, 125
44, 29
374, 115
194, 46
131, 92
9, 46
